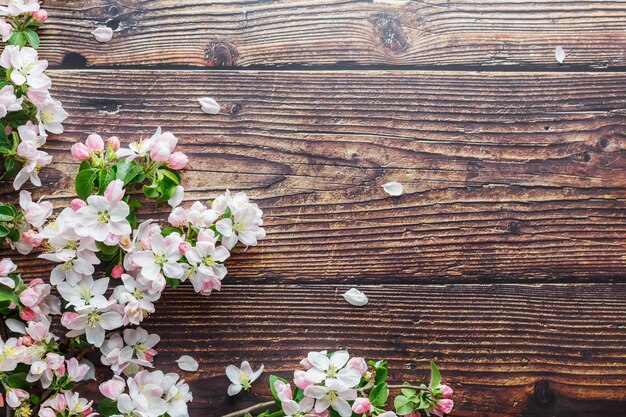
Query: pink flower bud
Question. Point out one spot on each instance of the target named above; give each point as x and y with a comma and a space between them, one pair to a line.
40, 15
29, 297
183, 246
145, 242
283, 391
358, 364
26, 341
80, 151
87, 412
35, 282
447, 391
445, 406
77, 204
60, 371
306, 364
177, 160
113, 388
160, 152
59, 403
28, 314
113, 143
68, 317
94, 142
32, 237
150, 354
299, 380
115, 191
1, 400
117, 271
361, 405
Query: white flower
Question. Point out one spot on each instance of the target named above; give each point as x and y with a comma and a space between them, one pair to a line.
241, 378
28, 149
334, 394
27, 68
136, 299
161, 259
11, 353
7, 267
187, 363
18, 7
244, 227
205, 267
94, 322
36, 213
87, 293
325, 368
142, 343
355, 297
144, 397
209, 105
103, 34
104, 217
50, 115
393, 188
8, 101
131, 358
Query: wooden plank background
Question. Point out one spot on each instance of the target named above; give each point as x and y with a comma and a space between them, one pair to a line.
504, 261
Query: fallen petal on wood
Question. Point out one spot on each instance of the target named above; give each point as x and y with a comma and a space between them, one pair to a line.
209, 105
103, 34
559, 54
187, 363
393, 188
355, 297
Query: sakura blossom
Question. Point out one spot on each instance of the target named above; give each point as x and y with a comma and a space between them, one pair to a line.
25, 66
242, 377
104, 217
8, 101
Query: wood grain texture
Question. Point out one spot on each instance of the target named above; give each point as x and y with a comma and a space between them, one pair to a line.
246, 33
508, 177
507, 350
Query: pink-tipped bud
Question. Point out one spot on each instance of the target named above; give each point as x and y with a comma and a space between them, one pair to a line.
32, 237
94, 142
28, 314
113, 143
40, 15
26, 341
358, 364
445, 406
446, 390
183, 247
150, 354
77, 204
299, 380
160, 152
146, 243
80, 151
117, 271
68, 317
177, 160
60, 371
361, 405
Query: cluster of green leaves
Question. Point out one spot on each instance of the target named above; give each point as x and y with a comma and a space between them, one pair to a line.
10, 296
24, 31
413, 401
10, 218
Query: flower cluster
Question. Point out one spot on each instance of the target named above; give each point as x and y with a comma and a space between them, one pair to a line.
110, 271
336, 385
27, 111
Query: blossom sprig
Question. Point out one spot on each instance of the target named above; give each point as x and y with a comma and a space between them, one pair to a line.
27, 110
336, 385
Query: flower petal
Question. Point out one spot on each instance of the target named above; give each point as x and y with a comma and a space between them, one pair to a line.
209, 105
393, 188
103, 34
559, 54
355, 297
187, 363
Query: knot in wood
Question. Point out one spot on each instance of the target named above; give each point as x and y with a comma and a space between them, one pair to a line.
543, 393
221, 54
391, 33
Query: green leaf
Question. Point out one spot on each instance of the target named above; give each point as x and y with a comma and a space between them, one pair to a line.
273, 379
381, 373
174, 283
106, 177
379, 394
408, 392
85, 183
84, 165
128, 171
32, 38
5, 143
150, 192
172, 175
402, 405
18, 38
435, 376
169, 230
107, 407
18, 380
8, 294
4, 231
7, 212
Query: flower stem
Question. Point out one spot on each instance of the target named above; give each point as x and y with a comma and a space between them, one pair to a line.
406, 386
254, 408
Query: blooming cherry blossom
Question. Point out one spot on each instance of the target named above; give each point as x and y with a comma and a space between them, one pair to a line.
241, 378
104, 217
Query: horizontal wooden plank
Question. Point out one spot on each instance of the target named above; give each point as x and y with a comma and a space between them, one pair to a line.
507, 350
507, 176
246, 33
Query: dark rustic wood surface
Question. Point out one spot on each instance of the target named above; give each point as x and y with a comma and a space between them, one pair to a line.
504, 261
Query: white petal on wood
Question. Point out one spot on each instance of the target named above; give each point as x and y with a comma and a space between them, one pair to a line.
559, 54
393, 188
103, 34
209, 105
187, 363
355, 297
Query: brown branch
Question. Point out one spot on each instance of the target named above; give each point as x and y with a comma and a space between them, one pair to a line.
254, 408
